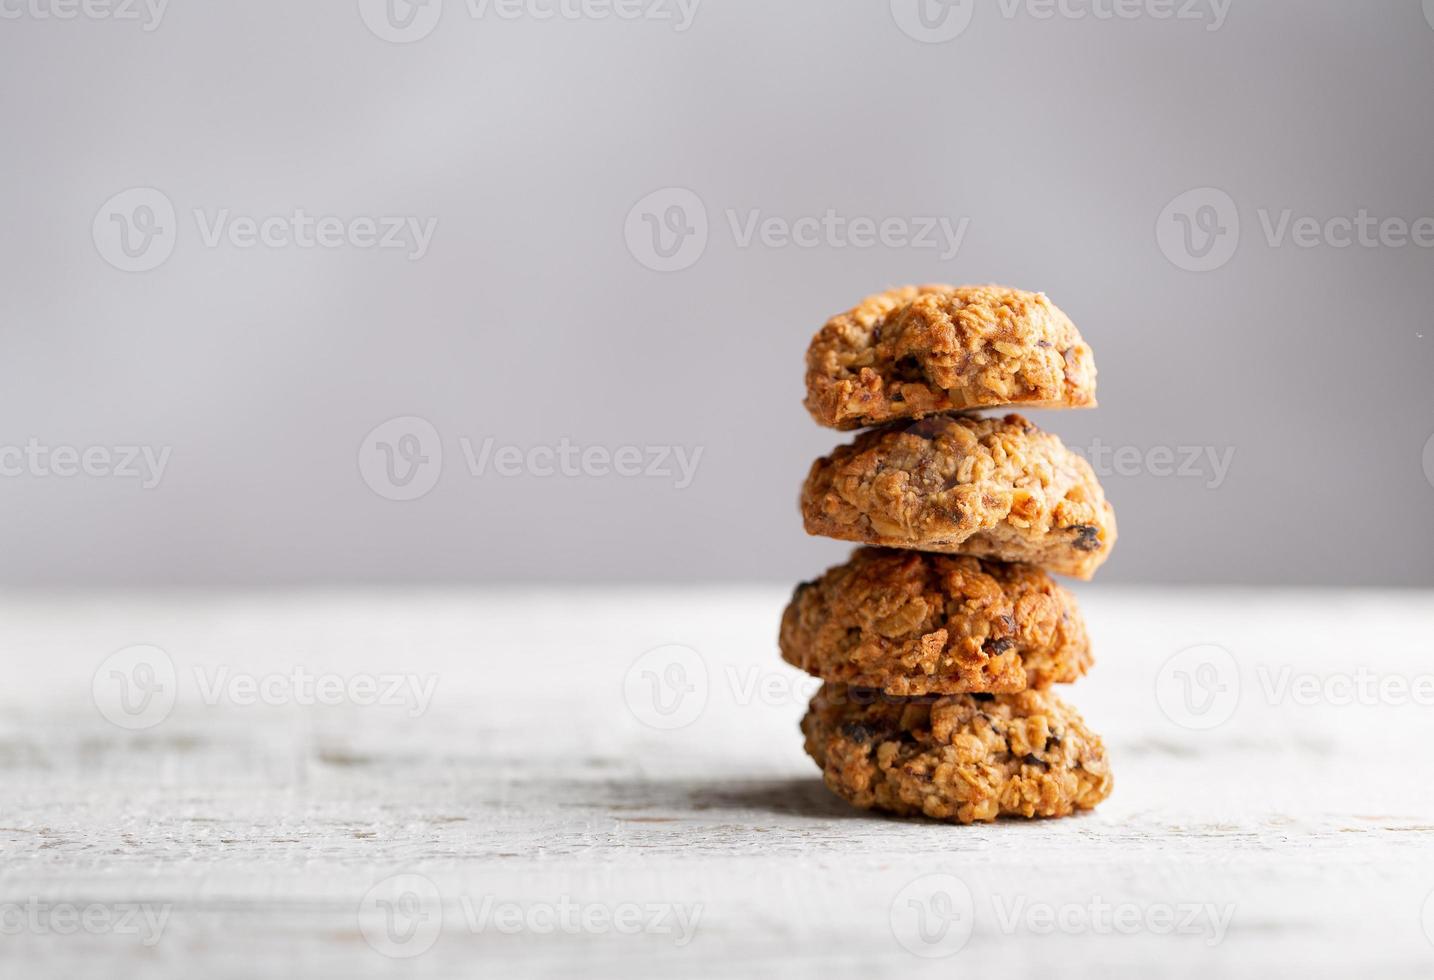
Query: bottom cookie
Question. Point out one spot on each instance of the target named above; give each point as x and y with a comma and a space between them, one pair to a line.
963, 757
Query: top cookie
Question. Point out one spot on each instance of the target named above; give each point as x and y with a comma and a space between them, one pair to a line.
917, 350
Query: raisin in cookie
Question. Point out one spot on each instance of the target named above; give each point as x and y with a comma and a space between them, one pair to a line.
963, 757
918, 350
911, 623
993, 488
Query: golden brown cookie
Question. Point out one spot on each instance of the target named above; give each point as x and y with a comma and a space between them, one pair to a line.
917, 350
993, 488
963, 757
911, 623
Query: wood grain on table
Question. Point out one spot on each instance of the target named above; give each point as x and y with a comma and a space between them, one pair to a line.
611, 783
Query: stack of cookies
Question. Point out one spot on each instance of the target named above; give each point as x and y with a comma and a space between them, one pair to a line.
938, 647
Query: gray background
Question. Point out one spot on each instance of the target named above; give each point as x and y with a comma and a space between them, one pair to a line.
529, 321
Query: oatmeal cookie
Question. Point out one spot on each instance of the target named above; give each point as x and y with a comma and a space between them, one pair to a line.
992, 488
963, 757
911, 623
918, 350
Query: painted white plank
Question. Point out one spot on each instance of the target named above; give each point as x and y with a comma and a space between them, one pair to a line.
527, 785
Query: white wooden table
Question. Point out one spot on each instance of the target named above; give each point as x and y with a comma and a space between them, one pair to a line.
529, 818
